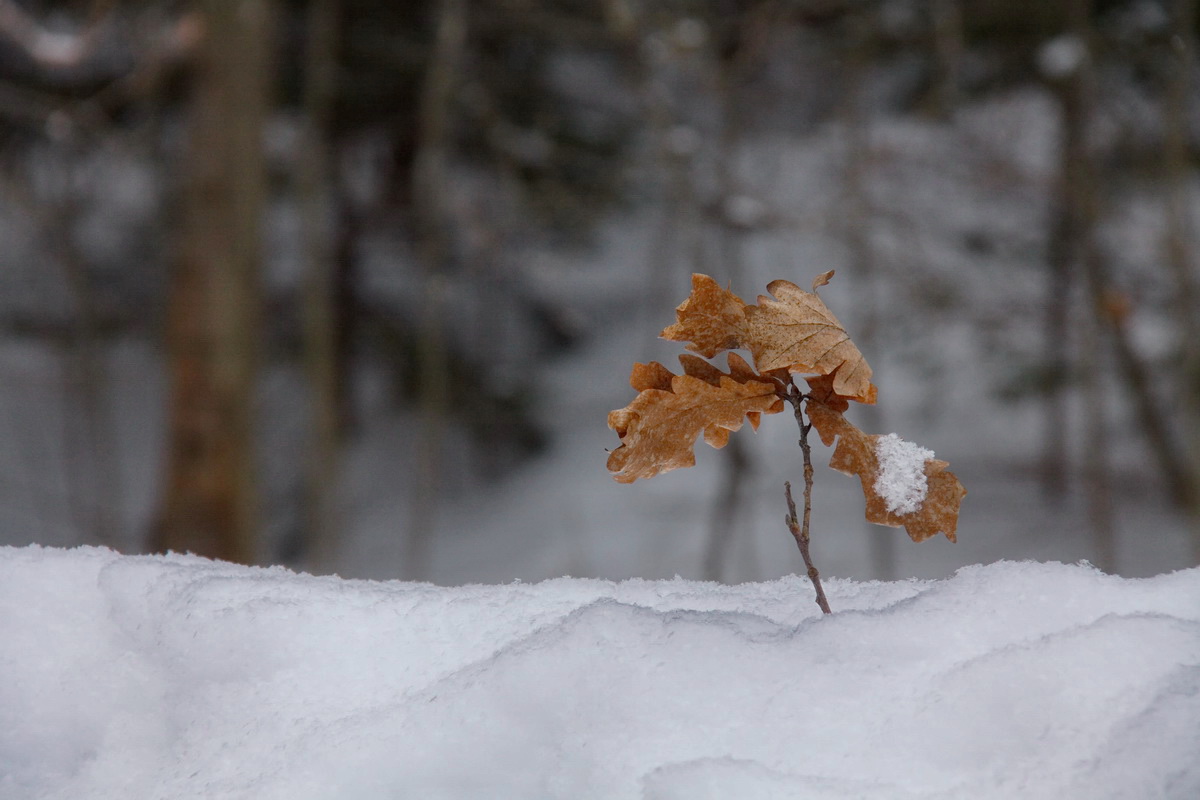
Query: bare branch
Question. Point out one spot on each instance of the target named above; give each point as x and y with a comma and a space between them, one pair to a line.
800, 532
798, 529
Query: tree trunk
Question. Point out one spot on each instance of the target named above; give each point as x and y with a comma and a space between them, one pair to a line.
1097, 471
1081, 214
1180, 247
210, 505
1056, 343
431, 217
948, 50
320, 290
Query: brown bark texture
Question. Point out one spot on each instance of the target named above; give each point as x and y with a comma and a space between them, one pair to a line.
210, 502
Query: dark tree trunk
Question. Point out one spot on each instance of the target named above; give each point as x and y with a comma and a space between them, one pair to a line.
210, 502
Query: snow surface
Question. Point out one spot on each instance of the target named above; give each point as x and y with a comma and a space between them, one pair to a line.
901, 480
176, 677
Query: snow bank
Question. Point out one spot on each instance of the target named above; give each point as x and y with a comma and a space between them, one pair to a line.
176, 677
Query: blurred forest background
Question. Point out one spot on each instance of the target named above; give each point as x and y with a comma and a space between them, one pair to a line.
350, 284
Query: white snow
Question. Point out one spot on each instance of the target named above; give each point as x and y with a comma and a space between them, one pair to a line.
1062, 56
176, 677
901, 478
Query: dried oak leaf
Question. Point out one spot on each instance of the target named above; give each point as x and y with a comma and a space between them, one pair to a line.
659, 428
855, 455
650, 376
797, 331
710, 320
820, 389
739, 370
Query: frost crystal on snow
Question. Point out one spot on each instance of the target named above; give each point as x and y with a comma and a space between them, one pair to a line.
901, 479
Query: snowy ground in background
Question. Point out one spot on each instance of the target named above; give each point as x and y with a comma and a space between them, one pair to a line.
934, 189
564, 515
141, 677
934, 186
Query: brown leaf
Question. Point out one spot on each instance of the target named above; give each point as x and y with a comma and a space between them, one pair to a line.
856, 455
697, 367
650, 376
821, 389
710, 320
659, 428
795, 330
739, 370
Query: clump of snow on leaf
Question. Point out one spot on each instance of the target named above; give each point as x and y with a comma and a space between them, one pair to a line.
901, 480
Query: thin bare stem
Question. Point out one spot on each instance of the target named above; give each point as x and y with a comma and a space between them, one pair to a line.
800, 530
801, 536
